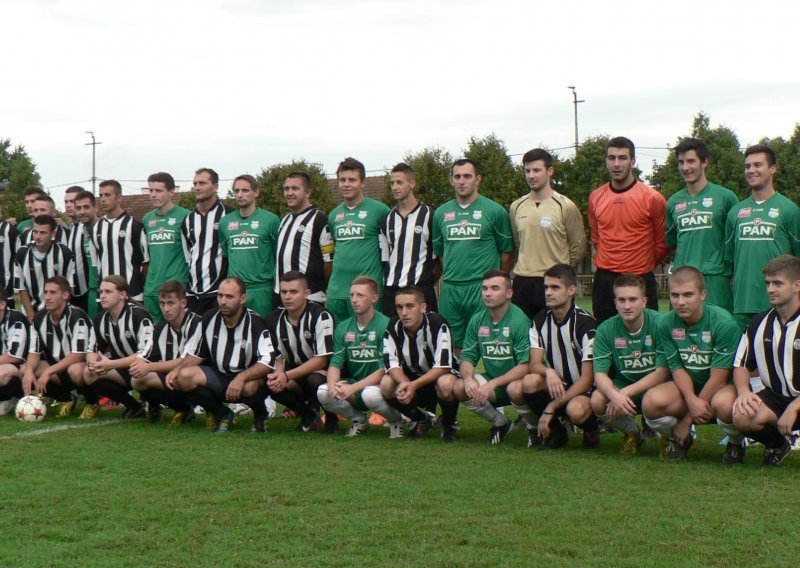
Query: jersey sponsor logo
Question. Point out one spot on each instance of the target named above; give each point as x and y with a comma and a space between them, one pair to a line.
152, 223
450, 216
351, 231
681, 206
696, 359
362, 214
365, 353
255, 224
745, 212
483, 331
350, 336
637, 354
696, 220
340, 217
678, 333
497, 350
244, 241
708, 201
774, 212
465, 231
642, 361
546, 222
620, 343
758, 230
162, 236
233, 226
706, 336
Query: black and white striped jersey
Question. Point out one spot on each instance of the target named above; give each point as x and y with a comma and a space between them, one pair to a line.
81, 246
410, 243
169, 343
33, 268
131, 333
14, 334
61, 235
121, 246
207, 266
9, 238
567, 344
773, 349
305, 244
431, 347
296, 344
55, 340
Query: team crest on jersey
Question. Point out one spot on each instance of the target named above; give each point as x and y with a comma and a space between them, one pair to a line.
620, 343
477, 215
546, 222
340, 216
307, 334
708, 201
123, 234
483, 331
128, 334
681, 206
371, 336
706, 336
254, 224
233, 226
774, 212
171, 221
350, 336
450, 216
301, 228
418, 229
152, 223
648, 341
506, 332
678, 333
796, 344
362, 214
216, 226
745, 212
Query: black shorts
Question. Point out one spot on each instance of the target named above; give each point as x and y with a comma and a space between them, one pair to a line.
126, 376
216, 382
61, 392
776, 402
81, 302
603, 305
201, 304
529, 294
389, 308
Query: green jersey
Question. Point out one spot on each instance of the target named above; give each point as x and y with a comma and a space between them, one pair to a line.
502, 345
755, 234
359, 248
25, 225
357, 351
710, 344
471, 239
696, 227
167, 260
633, 356
250, 245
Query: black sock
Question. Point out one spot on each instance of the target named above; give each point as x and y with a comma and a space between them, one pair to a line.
449, 412
256, 403
590, 425
206, 398
88, 394
409, 410
294, 401
769, 436
12, 389
537, 401
176, 400
116, 392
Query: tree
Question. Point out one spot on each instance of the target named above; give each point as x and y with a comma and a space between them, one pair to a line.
19, 171
726, 166
578, 176
432, 166
271, 180
502, 181
788, 153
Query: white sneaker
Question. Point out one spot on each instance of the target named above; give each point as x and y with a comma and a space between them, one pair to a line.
395, 430
199, 410
240, 409
7, 406
357, 428
272, 407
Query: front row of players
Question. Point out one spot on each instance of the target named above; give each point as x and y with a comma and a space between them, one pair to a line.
688, 367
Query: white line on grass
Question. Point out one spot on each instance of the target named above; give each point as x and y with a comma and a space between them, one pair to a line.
60, 428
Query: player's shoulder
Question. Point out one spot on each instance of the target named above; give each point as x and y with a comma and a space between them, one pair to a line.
380, 321
488, 204
228, 217
611, 325
160, 327
678, 196
436, 320
74, 314
266, 216
520, 201
564, 201
138, 313
375, 205
720, 316
16, 317
783, 202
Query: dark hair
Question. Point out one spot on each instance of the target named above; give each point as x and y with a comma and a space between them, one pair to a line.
45, 197
214, 175
74, 189
630, 281
162, 177
118, 281
3, 295
172, 287
497, 273
412, 290
239, 283
772, 158
689, 144
403, 168
785, 264
688, 273
59, 281
253, 182
464, 162
367, 281
113, 183
622, 142
303, 176
538, 154
33, 190
563, 272
352, 164
86, 195
294, 276
48, 220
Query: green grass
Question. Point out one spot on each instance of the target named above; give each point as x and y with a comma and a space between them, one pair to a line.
136, 494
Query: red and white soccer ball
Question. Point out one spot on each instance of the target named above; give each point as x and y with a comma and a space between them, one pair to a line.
31, 409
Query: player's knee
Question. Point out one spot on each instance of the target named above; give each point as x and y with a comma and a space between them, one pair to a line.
579, 409
514, 391
323, 395
387, 386
444, 386
534, 382
372, 397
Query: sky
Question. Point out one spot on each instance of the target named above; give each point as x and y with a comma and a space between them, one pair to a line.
240, 85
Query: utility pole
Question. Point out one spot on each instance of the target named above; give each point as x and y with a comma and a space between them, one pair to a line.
575, 102
94, 144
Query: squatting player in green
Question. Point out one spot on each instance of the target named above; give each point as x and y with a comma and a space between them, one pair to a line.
247, 237
498, 334
472, 235
355, 226
696, 217
699, 342
163, 228
625, 348
356, 366
759, 228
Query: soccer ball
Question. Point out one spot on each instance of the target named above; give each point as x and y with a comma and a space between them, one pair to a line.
31, 409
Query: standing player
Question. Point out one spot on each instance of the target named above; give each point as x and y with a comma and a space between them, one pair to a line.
87, 277
9, 237
759, 228
163, 228
355, 225
29, 195
44, 205
248, 237
471, 234
498, 335
548, 230
696, 218
408, 231
69, 203
201, 248
121, 242
699, 341
770, 346
304, 240
121, 331
628, 233
302, 337
357, 363
417, 351
14, 345
60, 337
627, 361
561, 343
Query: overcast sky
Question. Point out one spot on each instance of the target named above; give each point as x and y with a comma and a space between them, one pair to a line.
239, 85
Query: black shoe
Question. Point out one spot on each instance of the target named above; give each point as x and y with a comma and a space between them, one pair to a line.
677, 452
225, 423
154, 413
331, 423
534, 439
421, 427
498, 433
134, 412
774, 456
591, 439
259, 426
558, 438
734, 454
448, 434
310, 423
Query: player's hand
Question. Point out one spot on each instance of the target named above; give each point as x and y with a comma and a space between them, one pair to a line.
345, 390
234, 391
555, 386
682, 431
746, 404
544, 424
406, 392
471, 386
483, 394
28, 381
99, 366
170, 379
620, 405
277, 381
41, 383
139, 368
700, 410
787, 420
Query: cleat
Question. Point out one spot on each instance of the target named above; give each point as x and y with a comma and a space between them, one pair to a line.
212, 423
395, 430
357, 428
259, 426
677, 452
134, 413
7, 406
734, 454
89, 412
240, 409
225, 424
631, 443
559, 437
331, 423
106, 403
448, 434
288, 414
182, 418
65, 408
498, 433
154, 413
774, 456
591, 439
534, 439
310, 424
419, 428
666, 444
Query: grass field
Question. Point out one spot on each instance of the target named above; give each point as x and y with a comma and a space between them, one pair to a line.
136, 494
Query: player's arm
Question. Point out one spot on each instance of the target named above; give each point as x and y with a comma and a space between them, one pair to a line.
579, 387
717, 379
313, 365
374, 378
27, 305
515, 373
56, 368
658, 211
507, 262
787, 420
537, 366
9, 359
437, 269
655, 377
29, 376
188, 360
576, 234
256, 372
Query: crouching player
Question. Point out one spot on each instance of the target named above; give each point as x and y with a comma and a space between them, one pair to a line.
699, 341
14, 344
770, 345
149, 370
625, 348
561, 371
417, 351
498, 335
357, 363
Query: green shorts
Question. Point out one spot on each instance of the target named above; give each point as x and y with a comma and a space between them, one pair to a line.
92, 296
743, 320
500, 393
259, 298
719, 292
457, 304
151, 305
340, 309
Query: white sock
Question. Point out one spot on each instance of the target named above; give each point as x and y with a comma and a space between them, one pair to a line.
624, 424
734, 436
487, 411
374, 400
332, 404
663, 425
527, 414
